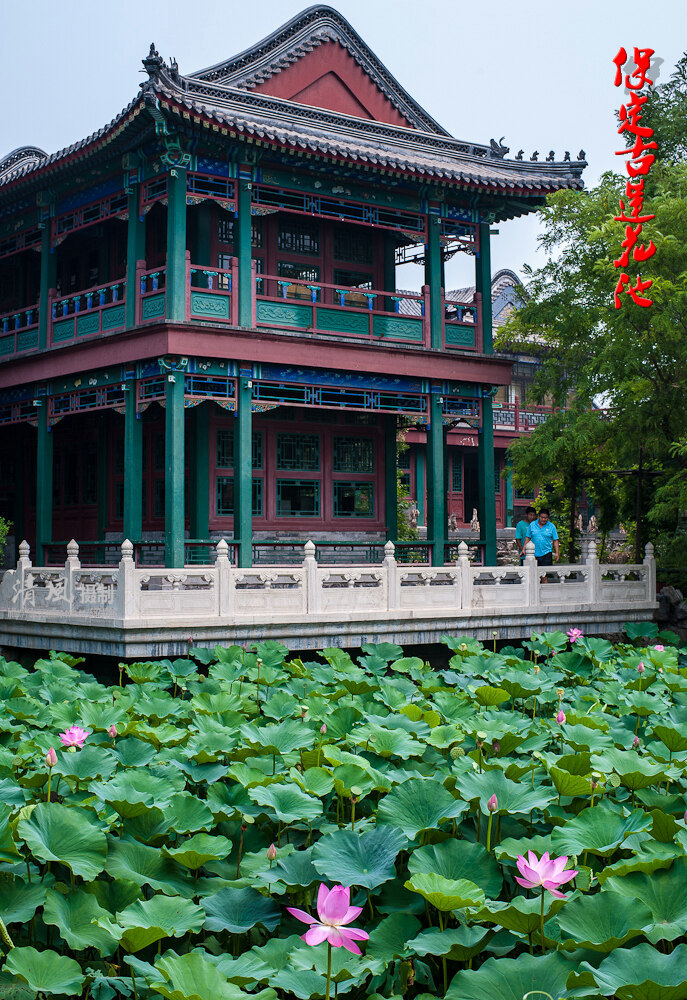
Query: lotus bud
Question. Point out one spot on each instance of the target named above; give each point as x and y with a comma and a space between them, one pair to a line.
493, 804
537, 668
457, 752
51, 757
595, 784
463, 646
304, 711
560, 718
271, 853
560, 692
323, 729
635, 742
112, 731
259, 661
496, 746
190, 640
640, 667
659, 647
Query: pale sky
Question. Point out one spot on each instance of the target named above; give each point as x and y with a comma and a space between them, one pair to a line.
540, 74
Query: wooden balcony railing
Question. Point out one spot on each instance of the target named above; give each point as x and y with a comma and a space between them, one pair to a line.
318, 307
19, 331
279, 303
101, 309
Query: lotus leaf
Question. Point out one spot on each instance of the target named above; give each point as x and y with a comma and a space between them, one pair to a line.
459, 859
598, 829
194, 977
198, 850
75, 917
288, 803
512, 979
419, 804
45, 971
364, 859
54, 832
664, 892
603, 921
237, 910
129, 860
641, 973
446, 894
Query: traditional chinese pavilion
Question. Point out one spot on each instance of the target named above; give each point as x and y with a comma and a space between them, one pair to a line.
201, 334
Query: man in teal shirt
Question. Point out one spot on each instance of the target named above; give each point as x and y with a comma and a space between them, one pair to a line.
521, 529
545, 537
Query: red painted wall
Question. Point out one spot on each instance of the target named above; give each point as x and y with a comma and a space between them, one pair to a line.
329, 77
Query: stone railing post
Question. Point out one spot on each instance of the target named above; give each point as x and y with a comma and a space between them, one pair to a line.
463, 563
390, 566
583, 549
223, 579
23, 567
312, 592
594, 579
127, 596
71, 565
650, 564
530, 565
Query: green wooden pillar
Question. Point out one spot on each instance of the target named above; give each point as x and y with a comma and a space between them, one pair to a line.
135, 250
243, 472
176, 245
436, 481
483, 285
102, 478
174, 469
510, 505
243, 249
486, 507
420, 483
202, 235
199, 462
433, 272
389, 263
390, 478
48, 276
133, 467
44, 464
19, 512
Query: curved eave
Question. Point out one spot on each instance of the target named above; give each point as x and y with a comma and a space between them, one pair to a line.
42, 172
401, 163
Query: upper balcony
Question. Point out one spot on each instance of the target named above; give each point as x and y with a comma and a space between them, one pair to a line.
311, 308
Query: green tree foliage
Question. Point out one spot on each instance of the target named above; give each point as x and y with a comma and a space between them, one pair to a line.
4, 531
630, 361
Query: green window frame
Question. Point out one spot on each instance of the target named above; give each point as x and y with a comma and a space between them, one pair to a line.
353, 454
298, 497
354, 499
457, 474
224, 497
224, 448
298, 452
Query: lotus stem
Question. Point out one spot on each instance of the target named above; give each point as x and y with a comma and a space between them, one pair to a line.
491, 816
49, 782
5, 935
329, 968
541, 924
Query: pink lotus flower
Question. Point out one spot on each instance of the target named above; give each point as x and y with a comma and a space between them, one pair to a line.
112, 731
493, 804
659, 647
75, 736
560, 718
574, 634
635, 742
334, 912
323, 729
547, 873
51, 757
272, 852
640, 667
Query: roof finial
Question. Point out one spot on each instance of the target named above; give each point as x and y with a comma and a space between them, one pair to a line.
581, 155
567, 156
521, 153
535, 155
550, 157
153, 62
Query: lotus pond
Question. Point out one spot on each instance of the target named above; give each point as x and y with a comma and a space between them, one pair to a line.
204, 799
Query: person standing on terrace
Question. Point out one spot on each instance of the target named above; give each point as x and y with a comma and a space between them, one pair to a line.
545, 537
521, 529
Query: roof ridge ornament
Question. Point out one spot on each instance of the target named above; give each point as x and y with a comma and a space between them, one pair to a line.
498, 149
153, 63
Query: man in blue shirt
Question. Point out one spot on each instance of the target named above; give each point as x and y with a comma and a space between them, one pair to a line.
545, 537
521, 529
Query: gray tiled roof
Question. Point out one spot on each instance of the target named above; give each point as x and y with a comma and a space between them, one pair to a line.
224, 95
